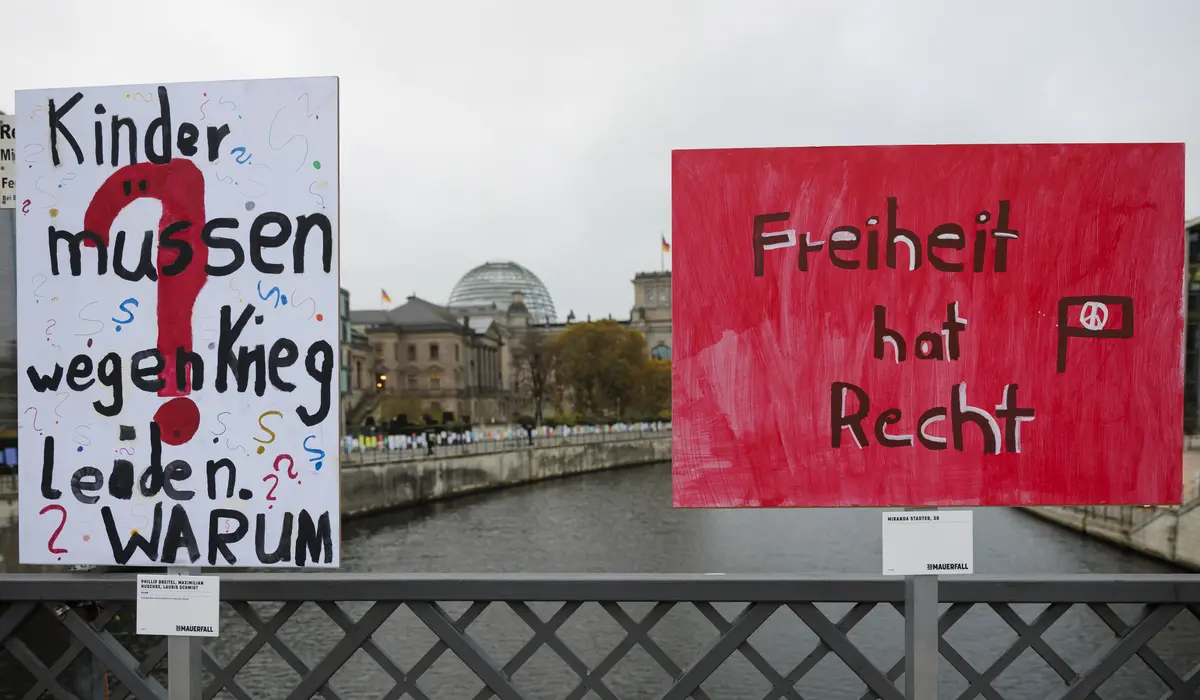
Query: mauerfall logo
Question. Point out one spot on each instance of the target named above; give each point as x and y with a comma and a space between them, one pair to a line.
193, 628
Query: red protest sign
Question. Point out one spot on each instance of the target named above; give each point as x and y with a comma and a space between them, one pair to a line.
928, 325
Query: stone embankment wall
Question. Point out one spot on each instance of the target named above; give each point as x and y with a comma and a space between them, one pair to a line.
380, 486
1171, 534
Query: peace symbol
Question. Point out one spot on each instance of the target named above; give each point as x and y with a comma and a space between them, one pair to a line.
1094, 316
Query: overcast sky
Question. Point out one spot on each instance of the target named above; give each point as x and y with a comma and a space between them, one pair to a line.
541, 131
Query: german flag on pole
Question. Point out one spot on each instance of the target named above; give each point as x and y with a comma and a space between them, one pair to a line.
383, 295
666, 247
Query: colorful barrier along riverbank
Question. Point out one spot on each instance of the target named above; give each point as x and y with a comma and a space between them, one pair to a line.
422, 440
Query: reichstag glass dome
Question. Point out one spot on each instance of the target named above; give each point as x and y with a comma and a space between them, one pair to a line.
493, 283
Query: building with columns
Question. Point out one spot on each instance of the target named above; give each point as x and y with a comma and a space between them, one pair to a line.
431, 363
359, 362
455, 362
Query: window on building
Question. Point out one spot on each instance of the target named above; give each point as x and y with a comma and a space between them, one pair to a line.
456, 353
358, 377
412, 353
411, 381
661, 352
433, 351
650, 298
435, 380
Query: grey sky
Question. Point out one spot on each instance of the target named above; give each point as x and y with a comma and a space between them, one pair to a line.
541, 131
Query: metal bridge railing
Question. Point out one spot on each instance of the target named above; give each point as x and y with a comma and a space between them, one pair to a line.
565, 636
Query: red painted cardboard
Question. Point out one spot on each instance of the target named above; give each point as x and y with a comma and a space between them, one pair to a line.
1047, 281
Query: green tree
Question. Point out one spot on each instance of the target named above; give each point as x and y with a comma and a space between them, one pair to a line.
600, 366
654, 389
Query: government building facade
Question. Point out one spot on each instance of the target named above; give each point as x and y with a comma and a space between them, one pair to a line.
455, 361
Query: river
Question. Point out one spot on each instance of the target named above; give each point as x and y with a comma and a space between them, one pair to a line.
622, 521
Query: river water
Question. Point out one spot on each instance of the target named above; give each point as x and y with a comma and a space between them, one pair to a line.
622, 521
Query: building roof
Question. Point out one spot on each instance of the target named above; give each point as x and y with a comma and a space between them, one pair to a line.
492, 284
1192, 224
480, 324
416, 314
370, 317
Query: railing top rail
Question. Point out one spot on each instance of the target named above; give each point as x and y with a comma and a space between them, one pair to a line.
1094, 588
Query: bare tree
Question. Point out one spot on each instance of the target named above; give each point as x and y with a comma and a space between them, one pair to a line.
533, 368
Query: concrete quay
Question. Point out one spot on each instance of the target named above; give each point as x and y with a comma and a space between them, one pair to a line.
1170, 533
385, 485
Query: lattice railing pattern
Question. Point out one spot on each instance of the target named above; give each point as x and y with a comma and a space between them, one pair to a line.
482, 638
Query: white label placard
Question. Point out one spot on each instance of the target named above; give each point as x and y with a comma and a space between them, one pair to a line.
177, 324
8, 161
181, 606
928, 542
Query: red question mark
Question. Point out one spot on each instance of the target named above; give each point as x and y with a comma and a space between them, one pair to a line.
61, 524
291, 465
271, 493
179, 186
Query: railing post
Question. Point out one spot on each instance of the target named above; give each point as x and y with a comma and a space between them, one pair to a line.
921, 635
183, 655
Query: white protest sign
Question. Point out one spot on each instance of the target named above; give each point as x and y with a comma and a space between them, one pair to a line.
928, 542
183, 606
178, 324
8, 161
